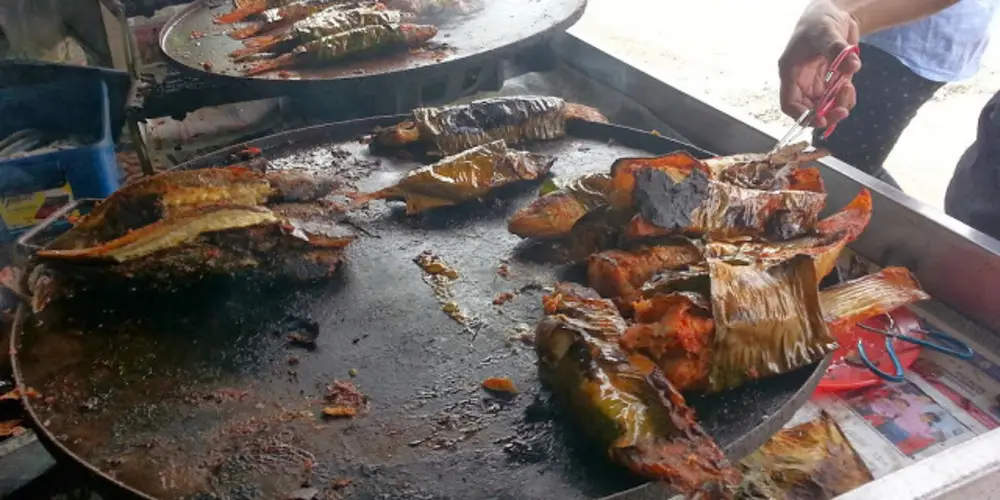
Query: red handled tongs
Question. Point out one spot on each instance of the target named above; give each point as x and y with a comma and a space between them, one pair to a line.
833, 81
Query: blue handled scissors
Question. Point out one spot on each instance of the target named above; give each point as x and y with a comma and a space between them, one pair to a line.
948, 345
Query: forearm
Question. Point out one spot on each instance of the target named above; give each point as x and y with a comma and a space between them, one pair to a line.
875, 15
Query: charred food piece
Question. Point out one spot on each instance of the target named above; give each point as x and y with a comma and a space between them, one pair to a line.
619, 275
447, 131
771, 172
554, 214
623, 401
466, 176
243, 9
699, 205
174, 193
331, 21
824, 243
366, 39
282, 17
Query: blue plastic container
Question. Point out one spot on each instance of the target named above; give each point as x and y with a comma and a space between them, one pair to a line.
33, 187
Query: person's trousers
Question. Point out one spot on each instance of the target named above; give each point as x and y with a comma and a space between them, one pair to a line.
973, 194
889, 96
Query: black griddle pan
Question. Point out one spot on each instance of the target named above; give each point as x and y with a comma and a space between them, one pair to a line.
463, 42
194, 395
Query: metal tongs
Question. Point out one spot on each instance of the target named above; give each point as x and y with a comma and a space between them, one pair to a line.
947, 345
833, 81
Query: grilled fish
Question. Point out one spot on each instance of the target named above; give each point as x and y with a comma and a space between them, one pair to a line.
328, 22
447, 131
349, 43
466, 176
170, 194
825, 242
277, 9
282, 17
770, 172
619, 274
431, 8
554, 214
623, 400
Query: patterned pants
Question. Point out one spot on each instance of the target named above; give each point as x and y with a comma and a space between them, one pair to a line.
889, 96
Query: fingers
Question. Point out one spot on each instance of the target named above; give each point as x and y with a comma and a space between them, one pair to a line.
792, 101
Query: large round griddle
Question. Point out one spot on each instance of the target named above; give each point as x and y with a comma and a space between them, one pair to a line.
195, 392
463, 41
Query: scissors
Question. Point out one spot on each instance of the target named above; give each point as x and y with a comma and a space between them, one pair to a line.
833, 81
948, 345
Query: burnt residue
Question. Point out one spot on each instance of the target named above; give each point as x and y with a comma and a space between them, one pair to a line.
192, 397
666, 203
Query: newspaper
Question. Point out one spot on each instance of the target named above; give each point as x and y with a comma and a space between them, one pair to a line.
944, 401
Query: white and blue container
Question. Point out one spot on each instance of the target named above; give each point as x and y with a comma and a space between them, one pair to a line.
33, 187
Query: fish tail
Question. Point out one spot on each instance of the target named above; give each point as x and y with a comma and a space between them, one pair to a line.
282, 61
263, 42
416, 34
586, 113
244, 9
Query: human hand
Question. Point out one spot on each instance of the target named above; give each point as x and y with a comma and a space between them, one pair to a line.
820, 35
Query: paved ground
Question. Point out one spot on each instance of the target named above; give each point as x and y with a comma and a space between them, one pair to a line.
728, 49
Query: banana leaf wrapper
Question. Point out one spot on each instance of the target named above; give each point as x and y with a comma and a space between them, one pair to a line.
767, 321
624, 402
515, 119
858, 300
771, 172
677, 332
718, 210
554, 214
466, 176
172, 194
620, 274
222, 240
826, 241
811, 461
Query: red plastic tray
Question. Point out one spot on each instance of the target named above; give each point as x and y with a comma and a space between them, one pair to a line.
845, 374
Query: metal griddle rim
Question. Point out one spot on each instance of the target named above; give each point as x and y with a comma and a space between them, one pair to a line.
639, 139
446, 66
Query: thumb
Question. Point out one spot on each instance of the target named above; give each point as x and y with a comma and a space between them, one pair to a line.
831, 43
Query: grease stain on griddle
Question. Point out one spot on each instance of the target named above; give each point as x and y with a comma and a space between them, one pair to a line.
440, 277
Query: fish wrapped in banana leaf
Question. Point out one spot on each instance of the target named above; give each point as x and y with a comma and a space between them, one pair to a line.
244, 9
466, 176
771, 171
697, 204
825, 242
450, 130
624, 401
328, 22
810, 461
281, 17
180, 226
768, 321
620, 274
554, 214
349, 43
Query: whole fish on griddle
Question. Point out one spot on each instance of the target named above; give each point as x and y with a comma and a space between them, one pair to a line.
349, 43
184, 225
328, 22
243, 9
431, 8
449, 130
466, 176
281, 17
623, 400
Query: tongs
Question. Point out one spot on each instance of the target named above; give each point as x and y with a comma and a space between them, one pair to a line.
833, 81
